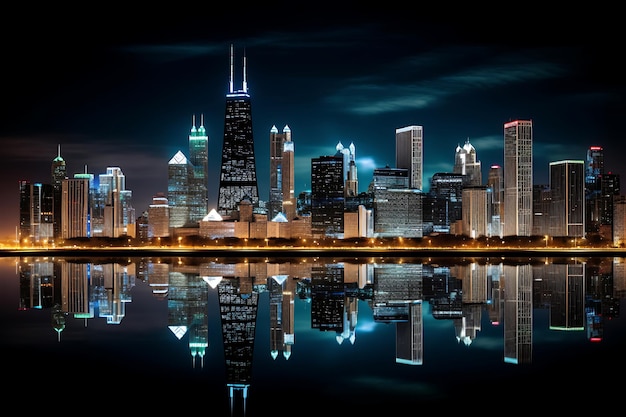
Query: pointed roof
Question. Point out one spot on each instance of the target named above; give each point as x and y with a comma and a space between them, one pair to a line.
280, 218
178, 331
178, 159
213, 216
58, 158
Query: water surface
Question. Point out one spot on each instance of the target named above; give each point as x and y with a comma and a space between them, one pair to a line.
314, 335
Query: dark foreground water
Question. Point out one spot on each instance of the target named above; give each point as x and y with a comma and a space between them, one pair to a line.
315, 335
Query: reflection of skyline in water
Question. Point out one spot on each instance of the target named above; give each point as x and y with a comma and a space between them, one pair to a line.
579, 295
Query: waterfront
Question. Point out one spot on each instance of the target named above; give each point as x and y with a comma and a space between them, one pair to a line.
323, 334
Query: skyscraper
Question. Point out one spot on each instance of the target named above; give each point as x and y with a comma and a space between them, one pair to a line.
177, 189
567, 208
238, 170
327, 196
76, 208
465, 163
410, 153
113, 214
518, 178
593, 188
59, 173
495, 184
349, 168
198, 199
36, 212
282, 197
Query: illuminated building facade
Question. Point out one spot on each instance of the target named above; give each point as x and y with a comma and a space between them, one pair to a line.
619, 221
76, 208
410, 153
178, 172
159, 217
542, 201
58, 174
36, 212
444, 203
496, 184
113, 214
518, 178
567, 189
198, 199
351, 182
238, 169
397, 209
327, 196
465, 163
594, 170
24, 210
474, 219
610, 190
282, 196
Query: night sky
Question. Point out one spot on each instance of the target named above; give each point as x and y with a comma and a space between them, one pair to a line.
122, 89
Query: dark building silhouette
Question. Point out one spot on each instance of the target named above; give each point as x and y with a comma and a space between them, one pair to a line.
327, 195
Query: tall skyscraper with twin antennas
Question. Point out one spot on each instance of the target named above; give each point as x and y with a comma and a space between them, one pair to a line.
238, 178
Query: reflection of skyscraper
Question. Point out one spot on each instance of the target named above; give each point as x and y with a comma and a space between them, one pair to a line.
281, 315
518, 313
238, 170
187, 302
238, 316
518, 178
566, 284
410, 336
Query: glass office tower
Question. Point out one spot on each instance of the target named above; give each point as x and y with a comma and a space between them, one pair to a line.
410, 153
518, 178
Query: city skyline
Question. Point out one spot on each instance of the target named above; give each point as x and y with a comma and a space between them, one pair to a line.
129, 101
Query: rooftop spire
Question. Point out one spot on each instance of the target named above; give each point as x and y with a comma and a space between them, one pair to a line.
231, 80
245, 82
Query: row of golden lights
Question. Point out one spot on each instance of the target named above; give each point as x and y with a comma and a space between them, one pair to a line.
398, 242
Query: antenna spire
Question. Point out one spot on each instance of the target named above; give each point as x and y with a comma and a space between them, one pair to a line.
245, 82
231, 80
